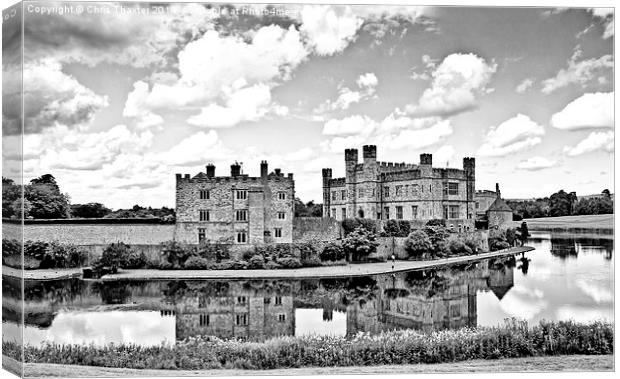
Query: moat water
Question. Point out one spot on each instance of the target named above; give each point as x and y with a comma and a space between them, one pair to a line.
566, 277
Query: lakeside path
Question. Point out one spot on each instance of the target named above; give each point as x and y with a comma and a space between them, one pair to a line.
350, 270
532, 364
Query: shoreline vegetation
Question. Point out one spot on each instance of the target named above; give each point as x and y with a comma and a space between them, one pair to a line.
599, 224
513, 339
571, 363
359, 269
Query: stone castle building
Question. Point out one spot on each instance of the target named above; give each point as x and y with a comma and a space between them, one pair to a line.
499, 213
400, 191
236, 209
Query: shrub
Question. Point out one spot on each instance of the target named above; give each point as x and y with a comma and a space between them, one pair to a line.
391, 229
458, 247
332, 252
360, 243
472, 241
175, 253
271, 265
405, 228
289, 262
436, 222
438, 236
498, 239
11, 247
350, 224
418, 243
308, 254
214, 251
35, 249
115, 255
256, 262
196, 263
238, 265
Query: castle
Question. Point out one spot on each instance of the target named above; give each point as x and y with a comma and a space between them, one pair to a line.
235, 209
401, 191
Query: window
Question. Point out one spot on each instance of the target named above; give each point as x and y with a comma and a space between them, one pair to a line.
414, 212
415, 190
204, 194
201, 235
451, 211
344, 213
334, 195
278, 232
372, 192
241, 215
204, 215
282, 196
343, 194
399, 213
242, 194
267, 300
399, 190
477, 205
386, 213
360, 193
281, 215
202, 302
242, 237
278, 300
333, 212
242, 319
386, 191
281, 317
241, 299
204, 320
450, 188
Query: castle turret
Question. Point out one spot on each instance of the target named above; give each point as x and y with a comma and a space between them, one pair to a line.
235, 170
210, 170
327, 176
469, 166
264, 169
426, 159
369, 153
351, 160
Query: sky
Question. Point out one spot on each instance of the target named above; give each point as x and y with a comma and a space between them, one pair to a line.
121, 96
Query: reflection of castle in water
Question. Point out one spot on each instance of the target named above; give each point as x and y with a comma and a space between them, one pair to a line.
259, 309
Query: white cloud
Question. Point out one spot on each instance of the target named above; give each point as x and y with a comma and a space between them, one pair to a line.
590, 110
595, 141
52, 97
524, 85
329, 29
198, 148
218, 69
356, 124
368, 80
536, 164
578, 72
417, 138
246, 104
512, 135
456, 84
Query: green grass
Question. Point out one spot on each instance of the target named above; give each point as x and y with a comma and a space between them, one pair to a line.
570, 222
512, 340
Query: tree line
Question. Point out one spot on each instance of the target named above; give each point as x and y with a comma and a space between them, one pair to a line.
562, 203
42, 199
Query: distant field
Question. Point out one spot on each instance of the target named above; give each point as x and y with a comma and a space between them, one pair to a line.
601, 222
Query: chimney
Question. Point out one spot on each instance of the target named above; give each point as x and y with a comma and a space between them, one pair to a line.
278, 172
497, 192
264, 169
235, 170
210, 170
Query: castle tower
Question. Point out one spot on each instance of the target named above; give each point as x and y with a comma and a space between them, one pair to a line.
327, 176
351, 160
469, 166
210, 170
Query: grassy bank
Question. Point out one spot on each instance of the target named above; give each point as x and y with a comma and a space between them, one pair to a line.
591, 223
532, 364
512, 340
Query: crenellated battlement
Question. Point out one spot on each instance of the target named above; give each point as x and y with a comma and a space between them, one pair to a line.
401, 175
338, 182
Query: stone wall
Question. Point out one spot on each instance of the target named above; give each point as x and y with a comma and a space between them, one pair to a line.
316, 229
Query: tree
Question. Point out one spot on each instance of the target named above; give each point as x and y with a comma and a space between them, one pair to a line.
46, 201
10, 194
360, 243
560, 203
438, 236
606, 193
90, 210
47, 179
418, 243
308, 210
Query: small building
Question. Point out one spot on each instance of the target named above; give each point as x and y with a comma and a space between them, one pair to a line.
483, 200
236, 209
499, 212
400, 191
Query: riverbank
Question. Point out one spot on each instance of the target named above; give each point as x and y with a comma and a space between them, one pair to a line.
532, 364
350, 270
598, 224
